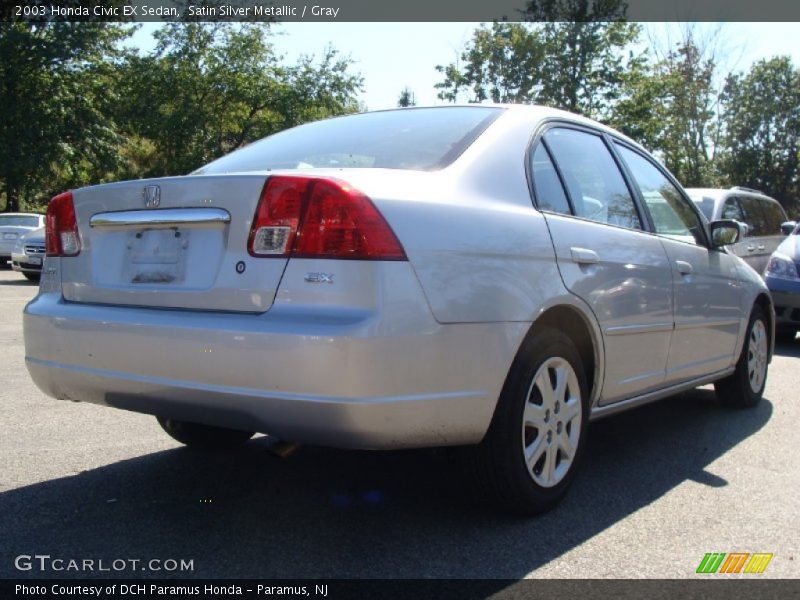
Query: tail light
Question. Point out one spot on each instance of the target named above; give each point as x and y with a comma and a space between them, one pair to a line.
311, 217
61, 227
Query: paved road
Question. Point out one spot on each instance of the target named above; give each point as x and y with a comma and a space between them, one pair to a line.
661, 486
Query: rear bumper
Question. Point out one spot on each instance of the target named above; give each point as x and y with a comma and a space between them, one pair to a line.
356, 379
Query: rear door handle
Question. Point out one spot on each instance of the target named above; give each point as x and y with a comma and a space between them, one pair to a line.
684, 268
583, 256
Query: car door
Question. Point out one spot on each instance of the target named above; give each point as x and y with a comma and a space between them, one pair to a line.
755, 245
706, 287
605, 257
774, 217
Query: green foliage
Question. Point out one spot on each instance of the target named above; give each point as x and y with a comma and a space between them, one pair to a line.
406, 98
209, 89
577, 66
78, 109
670, 106
57, 85
762, 116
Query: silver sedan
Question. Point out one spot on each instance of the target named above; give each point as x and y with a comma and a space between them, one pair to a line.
489, 276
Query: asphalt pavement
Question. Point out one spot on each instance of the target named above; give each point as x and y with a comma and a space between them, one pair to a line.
661, 487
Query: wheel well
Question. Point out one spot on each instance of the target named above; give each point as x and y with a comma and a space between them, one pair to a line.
766, 304
573, 324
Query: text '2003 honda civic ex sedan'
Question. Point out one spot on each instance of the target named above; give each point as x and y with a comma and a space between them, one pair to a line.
493, 276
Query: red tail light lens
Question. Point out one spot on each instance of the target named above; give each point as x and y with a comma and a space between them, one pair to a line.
310, 217
61, 227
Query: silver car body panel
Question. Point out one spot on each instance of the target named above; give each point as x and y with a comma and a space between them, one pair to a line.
375, 354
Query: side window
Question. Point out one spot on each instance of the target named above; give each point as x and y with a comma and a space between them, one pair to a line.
595, 185
732, 210
546, 184
754, 216
671, 213
775, 216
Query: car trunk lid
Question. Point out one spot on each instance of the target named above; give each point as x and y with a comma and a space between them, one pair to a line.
178, 242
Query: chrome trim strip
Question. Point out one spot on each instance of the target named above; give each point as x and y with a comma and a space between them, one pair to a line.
633, 329
600, 412
161, 219
706, 323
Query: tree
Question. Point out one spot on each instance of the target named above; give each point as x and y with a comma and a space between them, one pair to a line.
57, 83
210, 89
578, 66
406, 98
761, 110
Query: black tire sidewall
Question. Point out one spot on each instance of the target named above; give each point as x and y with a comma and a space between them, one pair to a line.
506, 430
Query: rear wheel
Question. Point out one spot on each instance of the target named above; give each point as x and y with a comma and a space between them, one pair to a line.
529, 456
745, 386
203, 436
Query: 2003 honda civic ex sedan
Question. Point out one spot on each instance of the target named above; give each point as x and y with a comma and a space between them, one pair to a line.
486, 275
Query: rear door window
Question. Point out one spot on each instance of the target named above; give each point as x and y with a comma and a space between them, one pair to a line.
595, 184
547, 188
755, 216
774, 216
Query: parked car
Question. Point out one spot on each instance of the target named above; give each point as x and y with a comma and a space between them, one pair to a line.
14, 225
488, 275
28, 254
783, 280
766, 223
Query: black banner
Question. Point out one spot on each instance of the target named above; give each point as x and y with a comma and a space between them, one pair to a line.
499, 589
409, 10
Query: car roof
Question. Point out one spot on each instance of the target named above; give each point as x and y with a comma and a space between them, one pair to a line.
538, 111
719, 194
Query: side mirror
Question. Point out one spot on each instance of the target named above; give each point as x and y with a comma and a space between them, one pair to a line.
788, 227
725, 233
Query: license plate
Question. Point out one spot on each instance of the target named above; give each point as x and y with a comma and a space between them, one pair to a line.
156, 256
34, 260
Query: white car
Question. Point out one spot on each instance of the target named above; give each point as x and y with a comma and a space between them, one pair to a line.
12, 227
485, 275
27, 256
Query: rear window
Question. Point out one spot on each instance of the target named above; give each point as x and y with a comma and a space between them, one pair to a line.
423, 139
18, 221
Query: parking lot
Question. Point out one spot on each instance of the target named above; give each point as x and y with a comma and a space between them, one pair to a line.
661, 487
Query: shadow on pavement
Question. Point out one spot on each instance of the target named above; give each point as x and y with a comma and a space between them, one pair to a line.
791, 349
340, 514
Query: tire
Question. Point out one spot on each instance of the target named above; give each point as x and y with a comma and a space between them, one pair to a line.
785, 336
500, 462
744, 388
32, 276
196, 435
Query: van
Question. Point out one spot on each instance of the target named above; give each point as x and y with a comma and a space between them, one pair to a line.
765, 220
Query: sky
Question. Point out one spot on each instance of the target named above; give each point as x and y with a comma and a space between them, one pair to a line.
391, 56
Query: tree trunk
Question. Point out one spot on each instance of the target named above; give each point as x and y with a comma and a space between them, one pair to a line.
12, 197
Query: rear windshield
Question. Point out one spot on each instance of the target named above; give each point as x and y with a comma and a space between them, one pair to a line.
424, 139
18, 221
